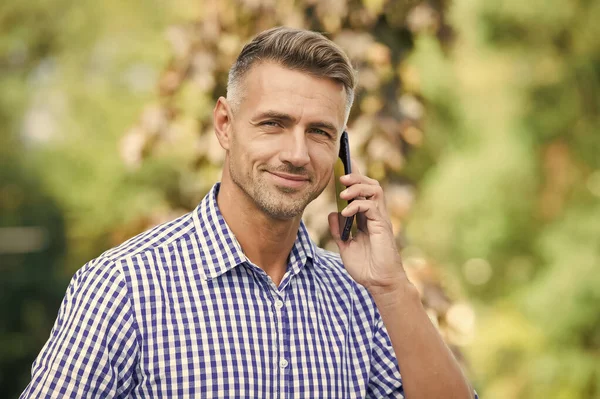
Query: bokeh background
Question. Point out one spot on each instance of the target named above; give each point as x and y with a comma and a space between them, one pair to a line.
481, 118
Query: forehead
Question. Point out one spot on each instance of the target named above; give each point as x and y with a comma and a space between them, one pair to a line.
269, 86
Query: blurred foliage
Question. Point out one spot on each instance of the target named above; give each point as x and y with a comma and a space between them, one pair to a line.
480, 118
512, 203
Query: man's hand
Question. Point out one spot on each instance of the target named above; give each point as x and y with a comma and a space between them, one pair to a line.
371, 256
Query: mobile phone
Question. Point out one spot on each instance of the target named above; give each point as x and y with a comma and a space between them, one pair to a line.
343, 167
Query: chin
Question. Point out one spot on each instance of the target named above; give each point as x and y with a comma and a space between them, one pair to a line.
279, 213
282, 207
288, 190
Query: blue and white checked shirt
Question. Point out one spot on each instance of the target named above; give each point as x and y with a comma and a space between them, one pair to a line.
179, 311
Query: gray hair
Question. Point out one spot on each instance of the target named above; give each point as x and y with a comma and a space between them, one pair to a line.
295, 49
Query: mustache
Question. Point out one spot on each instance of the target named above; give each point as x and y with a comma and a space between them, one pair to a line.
291, 170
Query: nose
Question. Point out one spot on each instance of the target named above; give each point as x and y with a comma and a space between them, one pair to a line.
295, 150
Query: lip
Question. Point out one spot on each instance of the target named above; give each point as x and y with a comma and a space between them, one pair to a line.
288, 180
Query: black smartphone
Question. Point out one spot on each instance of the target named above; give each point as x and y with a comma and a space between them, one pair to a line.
343, 167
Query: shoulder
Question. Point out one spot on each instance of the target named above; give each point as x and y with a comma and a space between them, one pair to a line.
162, 235
118, 264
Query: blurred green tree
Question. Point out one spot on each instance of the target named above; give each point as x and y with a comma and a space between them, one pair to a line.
32, 246
512, 203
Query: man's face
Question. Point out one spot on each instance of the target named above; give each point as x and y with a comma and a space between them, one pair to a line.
284, 138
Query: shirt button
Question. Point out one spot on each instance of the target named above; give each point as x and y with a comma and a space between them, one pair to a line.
278, 304
283, 363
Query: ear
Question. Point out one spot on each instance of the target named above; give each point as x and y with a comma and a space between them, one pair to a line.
222, 118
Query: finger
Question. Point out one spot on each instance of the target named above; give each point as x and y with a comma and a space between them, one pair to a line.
368, 191
356, 178
370, 209
372, 192
373, 221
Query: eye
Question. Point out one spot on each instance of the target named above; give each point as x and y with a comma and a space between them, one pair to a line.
270, 124
320, 132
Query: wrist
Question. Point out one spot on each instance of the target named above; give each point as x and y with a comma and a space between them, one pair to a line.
394, 291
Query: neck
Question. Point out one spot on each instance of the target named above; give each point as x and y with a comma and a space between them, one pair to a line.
266, 242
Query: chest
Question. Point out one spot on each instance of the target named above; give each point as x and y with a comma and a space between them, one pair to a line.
236, 337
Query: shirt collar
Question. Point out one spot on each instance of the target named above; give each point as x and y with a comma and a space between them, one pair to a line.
221, 251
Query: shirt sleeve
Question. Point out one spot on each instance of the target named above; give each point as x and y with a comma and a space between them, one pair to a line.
92, 350
384, 378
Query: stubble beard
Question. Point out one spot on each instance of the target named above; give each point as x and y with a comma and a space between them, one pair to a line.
275, 201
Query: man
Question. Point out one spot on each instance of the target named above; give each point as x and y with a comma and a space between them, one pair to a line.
233, 300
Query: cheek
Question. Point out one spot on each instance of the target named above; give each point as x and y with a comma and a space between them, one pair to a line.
265, 149
247, 148
261, 151
323, 161
253, 155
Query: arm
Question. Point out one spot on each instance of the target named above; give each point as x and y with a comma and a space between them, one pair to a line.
428, 368
92, 348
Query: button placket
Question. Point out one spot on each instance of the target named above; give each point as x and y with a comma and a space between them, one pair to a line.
283, 362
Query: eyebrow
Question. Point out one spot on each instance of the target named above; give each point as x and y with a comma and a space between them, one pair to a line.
275, 115
290, 119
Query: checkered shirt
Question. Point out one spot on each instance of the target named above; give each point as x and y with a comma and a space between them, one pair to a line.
180, 312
